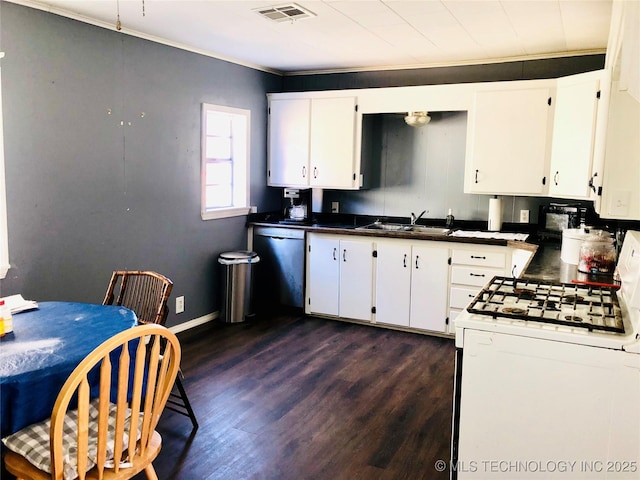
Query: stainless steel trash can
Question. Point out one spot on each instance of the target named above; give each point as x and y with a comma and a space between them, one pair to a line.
236, 303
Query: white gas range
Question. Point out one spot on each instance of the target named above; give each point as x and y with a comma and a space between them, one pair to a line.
548, 379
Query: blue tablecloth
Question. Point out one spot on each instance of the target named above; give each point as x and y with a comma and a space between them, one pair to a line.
44, 348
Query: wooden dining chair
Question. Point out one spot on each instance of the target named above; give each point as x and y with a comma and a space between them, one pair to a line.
144, 292
147, 294
111, 436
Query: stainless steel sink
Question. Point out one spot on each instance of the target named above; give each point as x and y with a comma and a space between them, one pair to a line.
391, 227
430, 230
403, 227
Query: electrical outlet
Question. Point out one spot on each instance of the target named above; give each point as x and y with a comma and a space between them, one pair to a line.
524, 216
335, 207
180, 304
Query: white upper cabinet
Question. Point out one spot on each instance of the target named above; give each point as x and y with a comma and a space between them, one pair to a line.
574, 132
621, 182
333, 135
509, 139
289, 133
312, 143
621, 185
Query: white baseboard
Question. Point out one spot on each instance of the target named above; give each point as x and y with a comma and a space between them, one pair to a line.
181, 327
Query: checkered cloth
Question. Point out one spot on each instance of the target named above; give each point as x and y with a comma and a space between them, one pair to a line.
32, 442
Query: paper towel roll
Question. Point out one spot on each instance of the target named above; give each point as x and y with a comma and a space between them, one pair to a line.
495, 214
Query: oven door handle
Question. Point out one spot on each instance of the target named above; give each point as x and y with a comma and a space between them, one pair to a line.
474, 339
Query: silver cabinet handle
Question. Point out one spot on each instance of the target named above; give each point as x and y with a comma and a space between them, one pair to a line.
404, 261
478, 257
344, 255
417, 257
304, 172
315, 172
334, 253
477, 274
555, 178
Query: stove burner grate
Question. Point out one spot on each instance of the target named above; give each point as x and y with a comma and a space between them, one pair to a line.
593, 308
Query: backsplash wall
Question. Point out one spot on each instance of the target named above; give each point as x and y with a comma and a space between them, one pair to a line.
423, 169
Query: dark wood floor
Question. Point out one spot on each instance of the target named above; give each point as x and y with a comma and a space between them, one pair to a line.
293, 397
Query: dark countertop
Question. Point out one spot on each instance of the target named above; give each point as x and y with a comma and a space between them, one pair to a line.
546, 264
350, 226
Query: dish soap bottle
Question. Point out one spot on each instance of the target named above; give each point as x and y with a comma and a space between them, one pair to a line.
449, 220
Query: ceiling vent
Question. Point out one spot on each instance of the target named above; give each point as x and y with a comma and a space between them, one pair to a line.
285, 13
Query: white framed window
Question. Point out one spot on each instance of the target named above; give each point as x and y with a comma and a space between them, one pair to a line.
225, 161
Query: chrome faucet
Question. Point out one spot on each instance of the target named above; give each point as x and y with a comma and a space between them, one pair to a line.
414, 219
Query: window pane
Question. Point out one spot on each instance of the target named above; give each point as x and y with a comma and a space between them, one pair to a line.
218, 196
218, 173
218, 147
225, 157
219, 124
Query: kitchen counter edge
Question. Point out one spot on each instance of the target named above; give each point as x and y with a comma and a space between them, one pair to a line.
344, 230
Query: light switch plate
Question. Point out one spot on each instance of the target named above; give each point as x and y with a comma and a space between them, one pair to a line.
524, 216
620, 201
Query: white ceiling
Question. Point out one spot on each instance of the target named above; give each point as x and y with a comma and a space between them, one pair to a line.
356, 35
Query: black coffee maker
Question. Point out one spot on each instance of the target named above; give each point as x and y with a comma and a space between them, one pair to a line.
297, 205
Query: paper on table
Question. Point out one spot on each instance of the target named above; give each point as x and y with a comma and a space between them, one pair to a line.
18, 304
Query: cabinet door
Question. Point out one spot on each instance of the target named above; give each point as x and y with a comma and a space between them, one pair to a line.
324, 278
621, 187
356, 279
573, 136
508, 150
393, 283
429, 287
289, 130
332, 158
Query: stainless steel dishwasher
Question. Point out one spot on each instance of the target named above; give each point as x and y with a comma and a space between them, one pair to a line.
280, 278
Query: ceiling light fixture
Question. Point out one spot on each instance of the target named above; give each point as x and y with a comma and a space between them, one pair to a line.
417, 119
118, 22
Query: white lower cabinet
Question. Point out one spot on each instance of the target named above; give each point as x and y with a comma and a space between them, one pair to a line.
339, 276
393, 282
411, 284
356, 274
416, 284
472, 267
429, 285
323, 275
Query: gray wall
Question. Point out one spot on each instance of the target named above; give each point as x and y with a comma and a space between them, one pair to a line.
86, 195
